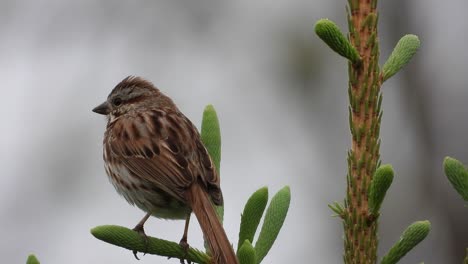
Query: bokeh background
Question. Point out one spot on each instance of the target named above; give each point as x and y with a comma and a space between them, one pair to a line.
281, 97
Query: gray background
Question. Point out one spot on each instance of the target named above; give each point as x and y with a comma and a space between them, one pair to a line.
281, 97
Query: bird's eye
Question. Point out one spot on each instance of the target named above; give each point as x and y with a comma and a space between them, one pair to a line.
117, 101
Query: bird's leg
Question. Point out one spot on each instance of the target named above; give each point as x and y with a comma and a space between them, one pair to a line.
183, 242
140, 230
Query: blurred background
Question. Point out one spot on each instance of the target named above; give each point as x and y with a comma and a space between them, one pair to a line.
281, 96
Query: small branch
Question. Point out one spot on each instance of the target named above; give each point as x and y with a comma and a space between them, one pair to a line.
365, 117
129, 239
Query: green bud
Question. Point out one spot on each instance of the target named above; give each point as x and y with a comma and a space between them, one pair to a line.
457, 175
329, 32
379, 185
32, 260
274, 219
401, 55
211, 134
414, 234
253, 212
246, 253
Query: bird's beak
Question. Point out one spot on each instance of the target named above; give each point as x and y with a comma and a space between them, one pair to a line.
102, 109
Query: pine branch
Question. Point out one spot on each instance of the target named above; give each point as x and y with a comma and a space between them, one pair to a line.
366, 185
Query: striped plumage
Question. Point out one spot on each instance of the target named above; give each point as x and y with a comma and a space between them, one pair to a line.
155, 159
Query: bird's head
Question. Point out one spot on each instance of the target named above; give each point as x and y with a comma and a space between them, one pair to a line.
131, 94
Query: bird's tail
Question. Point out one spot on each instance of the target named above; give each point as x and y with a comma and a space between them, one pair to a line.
220, 248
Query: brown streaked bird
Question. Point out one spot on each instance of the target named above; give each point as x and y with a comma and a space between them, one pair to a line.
156, 160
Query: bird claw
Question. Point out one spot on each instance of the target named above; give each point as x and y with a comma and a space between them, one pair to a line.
141, 231
135, 254
183, 243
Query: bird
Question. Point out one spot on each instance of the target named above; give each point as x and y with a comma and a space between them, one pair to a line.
155, 159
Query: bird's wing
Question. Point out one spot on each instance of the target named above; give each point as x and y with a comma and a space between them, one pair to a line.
164, 148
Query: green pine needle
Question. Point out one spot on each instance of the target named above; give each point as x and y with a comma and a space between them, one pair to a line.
329, 32
32, 260
246, 253
401, 55
337, 208
414, 234
253, 212
380, 183
129, 239
274, 219
457, 175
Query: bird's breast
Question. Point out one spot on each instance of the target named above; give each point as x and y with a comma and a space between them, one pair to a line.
145, 195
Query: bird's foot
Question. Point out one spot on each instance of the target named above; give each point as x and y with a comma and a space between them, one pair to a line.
183, 243
141, 231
